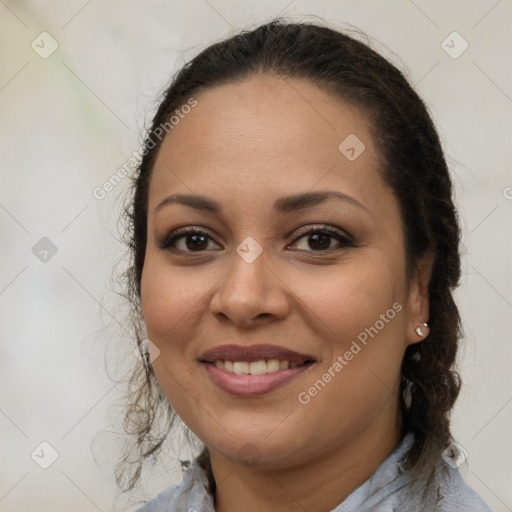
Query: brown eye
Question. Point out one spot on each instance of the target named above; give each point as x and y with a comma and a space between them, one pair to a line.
196, 242
322, 239
319, 241
189, 241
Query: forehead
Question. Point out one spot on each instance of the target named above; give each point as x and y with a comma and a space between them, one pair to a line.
268, 132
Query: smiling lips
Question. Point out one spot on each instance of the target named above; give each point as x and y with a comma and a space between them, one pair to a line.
253, 370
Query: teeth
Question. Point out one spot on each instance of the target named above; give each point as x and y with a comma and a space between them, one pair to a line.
241, 367
254, 367
257, 367
273, 365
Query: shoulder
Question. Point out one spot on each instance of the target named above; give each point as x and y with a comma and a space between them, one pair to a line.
436, 487
191, 494
457, 495
162, 502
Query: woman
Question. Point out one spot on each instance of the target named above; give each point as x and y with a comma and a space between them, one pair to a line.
295, 250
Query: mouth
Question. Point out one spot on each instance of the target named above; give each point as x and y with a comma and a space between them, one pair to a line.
239, 353
259, 367
253, 370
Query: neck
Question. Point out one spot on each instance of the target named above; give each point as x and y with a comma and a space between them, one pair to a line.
319, 484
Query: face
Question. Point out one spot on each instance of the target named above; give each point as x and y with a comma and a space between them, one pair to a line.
268, 241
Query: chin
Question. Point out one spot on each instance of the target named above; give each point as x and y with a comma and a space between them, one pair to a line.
260, 451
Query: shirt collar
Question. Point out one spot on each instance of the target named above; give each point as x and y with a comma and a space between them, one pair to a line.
377, 493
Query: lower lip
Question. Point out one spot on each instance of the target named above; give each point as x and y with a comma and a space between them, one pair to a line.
251, 385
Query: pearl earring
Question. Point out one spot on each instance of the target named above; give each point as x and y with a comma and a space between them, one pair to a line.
419, 332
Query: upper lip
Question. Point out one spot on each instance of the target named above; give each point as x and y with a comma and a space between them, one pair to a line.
253, 353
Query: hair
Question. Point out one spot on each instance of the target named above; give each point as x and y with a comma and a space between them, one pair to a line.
413, 165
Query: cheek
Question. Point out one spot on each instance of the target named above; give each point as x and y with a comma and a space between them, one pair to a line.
171, 304
359, 311
170, 300
345, 300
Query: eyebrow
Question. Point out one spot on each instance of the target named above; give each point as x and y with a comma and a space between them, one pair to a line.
193, 201
309, 199
285, 204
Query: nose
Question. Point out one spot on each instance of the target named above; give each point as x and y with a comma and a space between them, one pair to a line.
250, 294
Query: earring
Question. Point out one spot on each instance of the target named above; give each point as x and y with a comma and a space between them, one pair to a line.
419, 332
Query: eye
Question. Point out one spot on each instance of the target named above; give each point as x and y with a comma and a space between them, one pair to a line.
189, 240
322, 238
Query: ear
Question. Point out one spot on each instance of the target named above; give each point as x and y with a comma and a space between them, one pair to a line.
418, 301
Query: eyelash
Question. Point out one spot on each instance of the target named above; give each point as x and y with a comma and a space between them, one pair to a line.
343, 239
170, 239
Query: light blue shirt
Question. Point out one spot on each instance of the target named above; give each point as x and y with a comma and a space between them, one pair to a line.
392, 488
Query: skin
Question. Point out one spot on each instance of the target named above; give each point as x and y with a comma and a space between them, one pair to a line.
245, 145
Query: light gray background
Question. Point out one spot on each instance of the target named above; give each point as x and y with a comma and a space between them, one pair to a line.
70, 121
